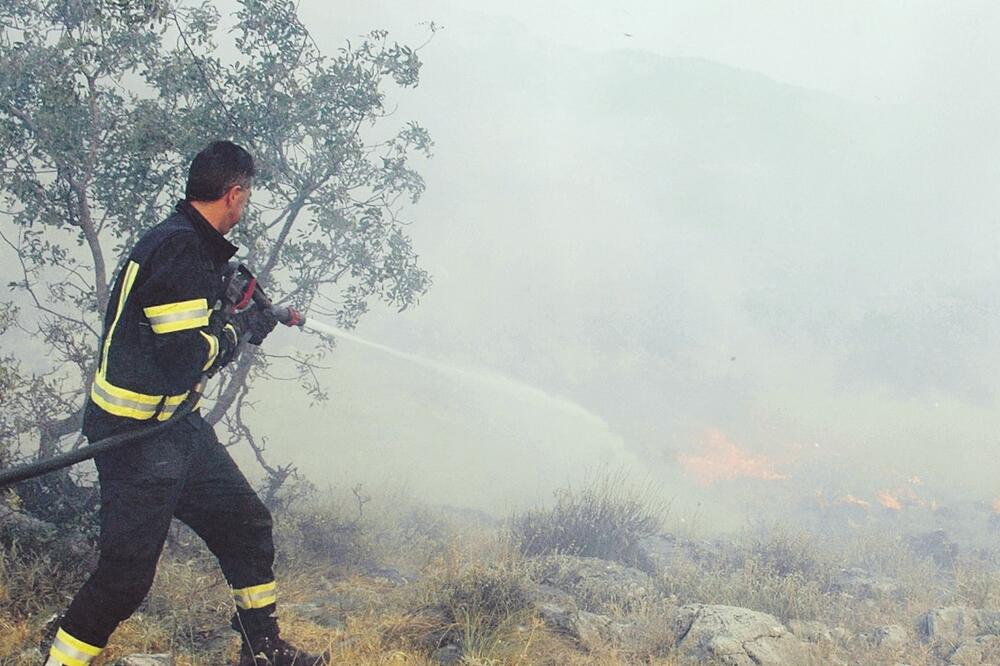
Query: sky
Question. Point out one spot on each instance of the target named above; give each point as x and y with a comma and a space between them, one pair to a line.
886, 50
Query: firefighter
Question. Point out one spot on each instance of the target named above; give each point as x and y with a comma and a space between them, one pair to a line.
162, 331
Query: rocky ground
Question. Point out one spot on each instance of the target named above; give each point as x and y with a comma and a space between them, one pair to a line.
440, 586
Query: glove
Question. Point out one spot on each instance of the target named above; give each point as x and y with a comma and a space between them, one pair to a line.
228, 335
255, 324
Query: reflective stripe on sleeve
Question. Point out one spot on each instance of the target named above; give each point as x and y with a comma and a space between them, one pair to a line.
69, 651
172, 317
213, 349
257, 596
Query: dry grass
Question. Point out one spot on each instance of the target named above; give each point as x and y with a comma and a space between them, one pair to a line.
607, 519
977, 584
470, 586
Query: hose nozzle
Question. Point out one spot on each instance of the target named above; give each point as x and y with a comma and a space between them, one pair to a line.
287, 316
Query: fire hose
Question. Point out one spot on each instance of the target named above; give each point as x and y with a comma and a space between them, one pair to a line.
242, 292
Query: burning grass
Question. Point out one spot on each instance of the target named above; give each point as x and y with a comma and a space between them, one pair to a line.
722, 460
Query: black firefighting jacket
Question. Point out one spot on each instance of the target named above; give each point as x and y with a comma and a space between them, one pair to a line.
157, 339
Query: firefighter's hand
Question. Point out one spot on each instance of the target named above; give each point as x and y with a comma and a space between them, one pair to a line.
258, 323
227, 333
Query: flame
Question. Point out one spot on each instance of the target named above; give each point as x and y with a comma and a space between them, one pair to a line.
852, 500
889, 501
721, 460
996, 505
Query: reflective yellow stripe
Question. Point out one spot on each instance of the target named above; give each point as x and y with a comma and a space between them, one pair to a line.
181, 316
72, 651
64, 659
130, 404
170, 406
112, 399
213, 350
131, 270
257, 596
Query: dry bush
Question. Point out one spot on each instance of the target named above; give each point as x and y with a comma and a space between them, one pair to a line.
484, 600
784, 552
606, 519
33, 583
770, 569
977, 584
322, 532
351, 528
753, 585
486, 608
882, 552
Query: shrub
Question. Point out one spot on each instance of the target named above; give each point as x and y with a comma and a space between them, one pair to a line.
977, 584
607, 519
481, 608
785, 552
322, 533
751, 584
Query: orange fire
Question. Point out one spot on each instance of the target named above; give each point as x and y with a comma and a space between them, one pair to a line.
852, 500
889, 501
996, 505
721, 460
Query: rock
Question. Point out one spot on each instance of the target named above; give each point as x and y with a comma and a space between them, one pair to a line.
737, 637
811, 631
952, 625
31, 534
590, 629
385, 574
547, 594
597, 586
332, 608
324, 616
560, 619
657, 552
891, 636
861, 584
146, 660
596, 629
447, 655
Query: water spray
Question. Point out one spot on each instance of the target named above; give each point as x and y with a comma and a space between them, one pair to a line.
243, 292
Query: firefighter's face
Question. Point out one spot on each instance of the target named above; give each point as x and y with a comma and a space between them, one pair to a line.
236, 204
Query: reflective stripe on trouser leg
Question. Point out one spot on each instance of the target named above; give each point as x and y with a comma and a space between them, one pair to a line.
258, 596
69, 651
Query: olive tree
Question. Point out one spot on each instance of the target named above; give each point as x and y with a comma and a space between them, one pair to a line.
102, 105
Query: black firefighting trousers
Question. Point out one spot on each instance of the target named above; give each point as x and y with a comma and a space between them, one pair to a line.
185, 473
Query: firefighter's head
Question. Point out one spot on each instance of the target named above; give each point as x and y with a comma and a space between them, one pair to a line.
220, 179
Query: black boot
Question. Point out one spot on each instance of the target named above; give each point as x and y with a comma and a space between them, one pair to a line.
263, 646
273, 651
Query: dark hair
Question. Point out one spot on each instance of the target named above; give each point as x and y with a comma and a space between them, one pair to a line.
218, 166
